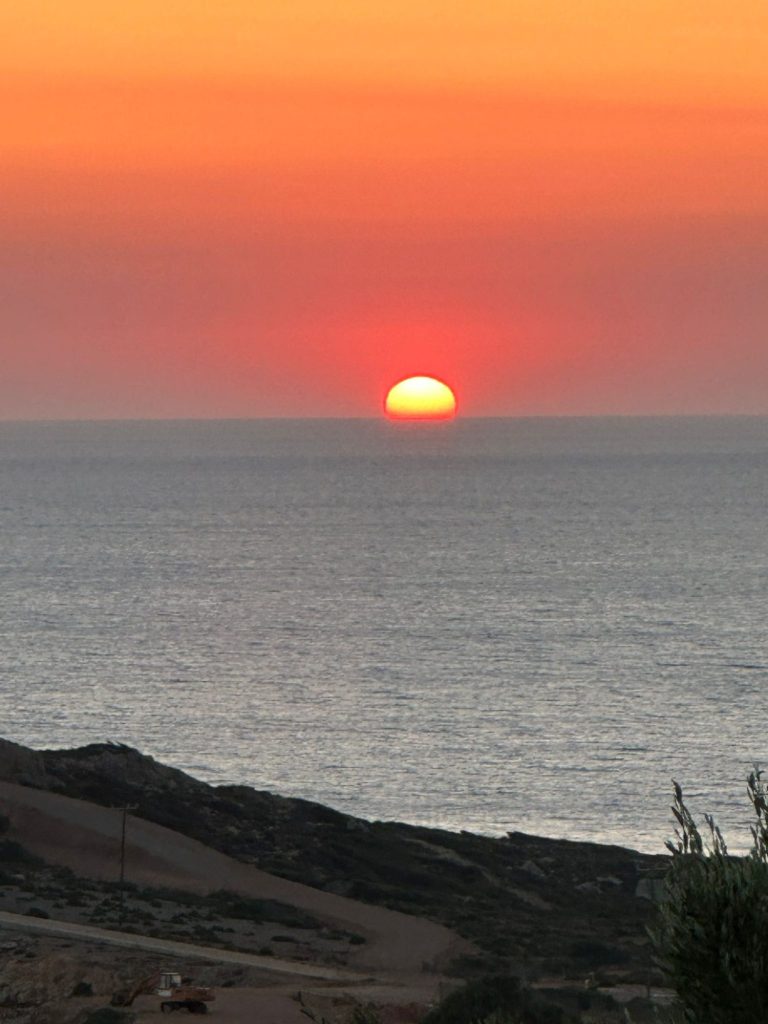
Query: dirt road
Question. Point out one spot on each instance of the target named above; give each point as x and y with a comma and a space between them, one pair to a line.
183, 950
86, 838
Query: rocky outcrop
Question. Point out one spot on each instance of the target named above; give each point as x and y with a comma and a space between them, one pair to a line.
22, 765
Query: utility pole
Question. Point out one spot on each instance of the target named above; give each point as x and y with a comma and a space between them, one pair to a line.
124, 810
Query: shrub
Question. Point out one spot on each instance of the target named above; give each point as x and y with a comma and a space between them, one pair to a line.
365, 1013
37, 912
110, 1015
591, 954
247, 908
496, 999
711, 939
476, 965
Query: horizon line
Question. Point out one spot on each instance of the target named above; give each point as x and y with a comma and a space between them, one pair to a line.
383, 419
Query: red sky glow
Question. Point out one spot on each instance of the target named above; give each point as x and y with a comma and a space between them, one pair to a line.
243, 210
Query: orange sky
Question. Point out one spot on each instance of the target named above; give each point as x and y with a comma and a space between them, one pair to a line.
249, 209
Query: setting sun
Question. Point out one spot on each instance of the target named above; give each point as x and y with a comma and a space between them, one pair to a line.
420, 398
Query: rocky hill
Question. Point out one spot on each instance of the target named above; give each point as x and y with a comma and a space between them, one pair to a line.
543, 905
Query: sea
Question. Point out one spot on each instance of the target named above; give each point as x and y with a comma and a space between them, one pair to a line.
495, 625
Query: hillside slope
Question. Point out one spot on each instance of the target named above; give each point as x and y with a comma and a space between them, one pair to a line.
86, 838
550, 904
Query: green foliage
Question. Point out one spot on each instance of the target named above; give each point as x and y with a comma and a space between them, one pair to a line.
496, 999
365, 1014
712, 935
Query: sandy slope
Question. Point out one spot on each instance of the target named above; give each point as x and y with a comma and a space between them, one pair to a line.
85, 837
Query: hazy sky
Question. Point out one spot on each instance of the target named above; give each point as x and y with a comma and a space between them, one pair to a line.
251, 208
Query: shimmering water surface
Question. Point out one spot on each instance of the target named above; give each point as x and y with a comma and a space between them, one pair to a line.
492, 625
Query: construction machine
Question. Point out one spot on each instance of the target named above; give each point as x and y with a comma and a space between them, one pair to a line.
174, 993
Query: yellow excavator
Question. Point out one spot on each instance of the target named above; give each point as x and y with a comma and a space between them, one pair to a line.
174, 993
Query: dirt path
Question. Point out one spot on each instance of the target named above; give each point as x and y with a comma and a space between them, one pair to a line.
86, 838
238, 1006
183, 950
279, 1005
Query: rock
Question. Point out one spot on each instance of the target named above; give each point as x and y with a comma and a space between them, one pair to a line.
356, 825
610, 881
532, 868
588, 887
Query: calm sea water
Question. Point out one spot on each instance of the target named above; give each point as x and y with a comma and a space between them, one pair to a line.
491, 625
